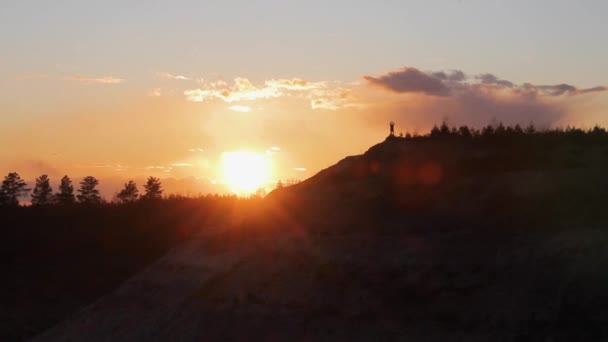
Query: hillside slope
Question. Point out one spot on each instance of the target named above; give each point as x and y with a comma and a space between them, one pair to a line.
418, 240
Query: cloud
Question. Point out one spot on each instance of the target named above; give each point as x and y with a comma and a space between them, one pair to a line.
455, 83
333, 99
169, 76
454, 75
115, 166
100, 80
491, 79
294, 84
301, 169
181, 164
27, 77
156, 92
592, 90
158, 168
322, 95
435, 96
411, 80
561, 89
242, 109
242, 90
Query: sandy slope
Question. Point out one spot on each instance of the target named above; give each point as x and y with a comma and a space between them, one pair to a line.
142, 304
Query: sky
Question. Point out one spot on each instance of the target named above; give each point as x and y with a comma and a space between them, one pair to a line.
126, 89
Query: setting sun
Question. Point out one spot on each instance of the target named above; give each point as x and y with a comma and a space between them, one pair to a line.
245, 172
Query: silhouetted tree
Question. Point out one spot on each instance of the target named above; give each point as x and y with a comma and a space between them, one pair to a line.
530, 129
153, 189
66, 192
435, 131
487, 131
500, 129
129, 193
597, 131
280, 185
464, 131
43, 193
12, 188
88, 194
444, 129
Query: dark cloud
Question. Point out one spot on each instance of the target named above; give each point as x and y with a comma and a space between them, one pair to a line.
411, 80
476, 101
454, 83
592, 90
454, 75
491, 79
557, 89
457, 76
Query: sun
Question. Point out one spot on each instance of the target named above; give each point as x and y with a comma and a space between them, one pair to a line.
245, 172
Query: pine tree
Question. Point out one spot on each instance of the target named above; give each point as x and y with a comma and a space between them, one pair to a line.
153, 189
66, 192
464, 131
43, 192
88, 194
129, 193
435, 131
12, 188
530, 129
444, 129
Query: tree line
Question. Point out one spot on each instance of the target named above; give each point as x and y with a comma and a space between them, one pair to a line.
13, 187
499, 130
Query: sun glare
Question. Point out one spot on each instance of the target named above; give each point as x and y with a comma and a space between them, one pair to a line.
245, 172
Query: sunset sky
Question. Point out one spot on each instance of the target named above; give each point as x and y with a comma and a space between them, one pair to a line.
127, 89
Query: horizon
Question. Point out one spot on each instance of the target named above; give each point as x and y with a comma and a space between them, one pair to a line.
120, 91
197, 187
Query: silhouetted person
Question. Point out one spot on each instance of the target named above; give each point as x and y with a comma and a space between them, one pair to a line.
392, 129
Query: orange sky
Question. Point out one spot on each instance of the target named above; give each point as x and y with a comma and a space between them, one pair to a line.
126, 90
181, 125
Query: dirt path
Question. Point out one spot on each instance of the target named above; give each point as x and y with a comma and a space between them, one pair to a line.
145, 303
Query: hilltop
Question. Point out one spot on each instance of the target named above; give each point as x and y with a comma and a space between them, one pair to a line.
470, 175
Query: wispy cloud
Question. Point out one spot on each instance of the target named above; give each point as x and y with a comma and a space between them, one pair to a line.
242, 90
170, 76
333, 99
322, 95
115, 167
158, 168
27, 77
294, 84
156, 92
182, 164
99, 80
242, 109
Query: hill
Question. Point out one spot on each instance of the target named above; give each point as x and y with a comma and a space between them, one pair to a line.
429, 238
